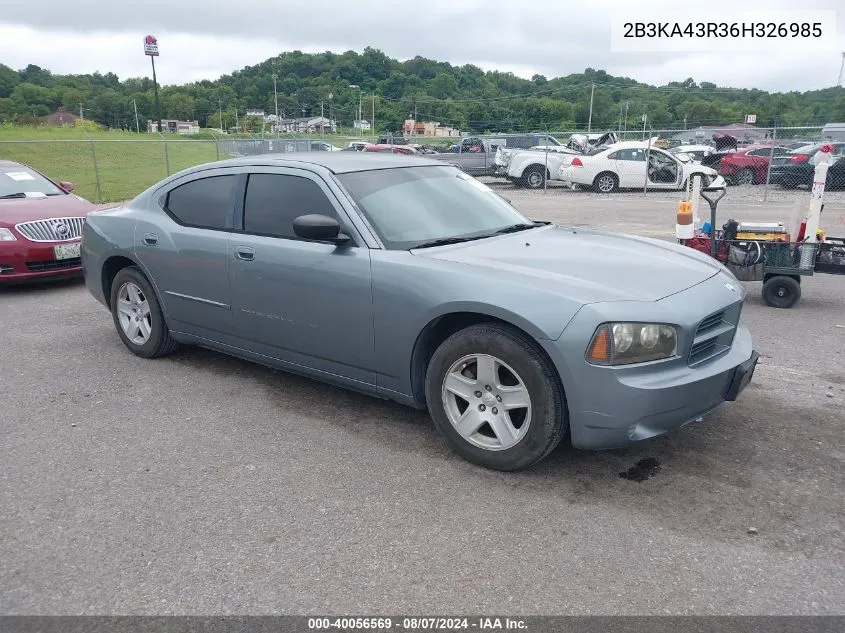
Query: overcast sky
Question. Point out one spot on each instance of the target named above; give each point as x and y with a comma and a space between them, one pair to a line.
552, 37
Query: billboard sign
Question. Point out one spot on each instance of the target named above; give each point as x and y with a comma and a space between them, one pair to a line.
151, 46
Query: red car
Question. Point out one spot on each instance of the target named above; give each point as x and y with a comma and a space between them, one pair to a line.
748, 165
40, 225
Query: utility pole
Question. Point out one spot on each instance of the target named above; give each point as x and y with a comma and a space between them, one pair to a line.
220, 110
276, 99
373, 122
155, 90
841, 70
137, 125
645, 118
81, 115
237, 123
590, 121
322, 117
627, 103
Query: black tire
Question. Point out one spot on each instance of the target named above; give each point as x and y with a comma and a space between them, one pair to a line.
534, 177
549, 420
745, 177
781, 291
159, 343
609, 177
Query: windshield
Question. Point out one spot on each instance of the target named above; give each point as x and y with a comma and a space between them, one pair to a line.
20, 181
411, 206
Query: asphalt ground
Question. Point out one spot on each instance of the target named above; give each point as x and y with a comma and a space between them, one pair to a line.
201, 484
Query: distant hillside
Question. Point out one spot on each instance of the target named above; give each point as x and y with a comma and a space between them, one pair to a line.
462, 96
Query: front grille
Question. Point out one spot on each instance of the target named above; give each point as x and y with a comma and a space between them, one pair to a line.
61, 264
715, 334
52, 230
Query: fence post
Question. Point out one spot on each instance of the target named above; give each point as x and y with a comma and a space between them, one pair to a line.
647, 158
166, 154
771, 157
99, 191
216, 145
546, 174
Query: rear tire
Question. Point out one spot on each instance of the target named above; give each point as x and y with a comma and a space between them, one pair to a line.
745, 177
781, 291
606, 182
138, 317
512, 425
534, 177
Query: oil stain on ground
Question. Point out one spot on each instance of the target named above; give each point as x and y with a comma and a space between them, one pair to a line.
642, 470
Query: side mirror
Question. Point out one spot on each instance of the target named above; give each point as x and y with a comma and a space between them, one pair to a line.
320, 228
67, 186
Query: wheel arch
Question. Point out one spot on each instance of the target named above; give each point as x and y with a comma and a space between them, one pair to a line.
441, 327
117, 262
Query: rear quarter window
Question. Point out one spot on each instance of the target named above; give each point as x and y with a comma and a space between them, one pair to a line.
204, 203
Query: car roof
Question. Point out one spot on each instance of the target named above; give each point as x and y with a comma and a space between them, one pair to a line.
335, 162
11, 163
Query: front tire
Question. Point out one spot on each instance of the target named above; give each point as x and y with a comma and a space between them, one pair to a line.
494, 398
137, 315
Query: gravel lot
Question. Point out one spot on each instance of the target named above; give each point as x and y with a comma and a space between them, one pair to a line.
200, 484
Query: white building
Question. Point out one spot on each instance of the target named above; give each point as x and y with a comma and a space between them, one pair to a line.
174, 127
306, 125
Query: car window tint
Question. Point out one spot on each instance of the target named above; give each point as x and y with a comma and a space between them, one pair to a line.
274, 201
203, 203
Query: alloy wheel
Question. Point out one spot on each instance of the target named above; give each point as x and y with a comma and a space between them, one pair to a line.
133, 312
486, 402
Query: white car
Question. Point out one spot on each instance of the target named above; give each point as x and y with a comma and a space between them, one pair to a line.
696, 152
624, 166
529, 168
322, 146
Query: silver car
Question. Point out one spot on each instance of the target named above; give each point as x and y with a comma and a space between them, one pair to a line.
407, 279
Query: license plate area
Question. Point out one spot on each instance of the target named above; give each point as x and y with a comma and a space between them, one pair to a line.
66, 251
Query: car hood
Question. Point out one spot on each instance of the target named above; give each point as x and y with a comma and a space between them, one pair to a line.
586, 265
15, 210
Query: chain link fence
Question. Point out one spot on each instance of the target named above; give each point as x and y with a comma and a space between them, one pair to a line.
113, 170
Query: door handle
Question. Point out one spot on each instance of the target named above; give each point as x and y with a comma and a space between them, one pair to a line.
150, 239
245, 253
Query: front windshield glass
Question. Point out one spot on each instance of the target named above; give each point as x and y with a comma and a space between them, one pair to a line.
410, 206
22, 180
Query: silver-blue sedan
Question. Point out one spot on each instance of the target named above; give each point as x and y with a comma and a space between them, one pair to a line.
407, 279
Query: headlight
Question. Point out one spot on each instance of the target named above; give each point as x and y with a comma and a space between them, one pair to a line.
628, 343
7, 236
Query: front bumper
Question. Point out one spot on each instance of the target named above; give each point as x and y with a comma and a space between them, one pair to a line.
23, 261
611, 407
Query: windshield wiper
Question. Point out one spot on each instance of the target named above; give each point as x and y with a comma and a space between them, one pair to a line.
20, 194
446, 240
515, 228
